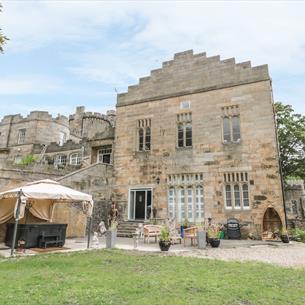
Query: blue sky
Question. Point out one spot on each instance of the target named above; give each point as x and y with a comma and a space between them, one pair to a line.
62, 54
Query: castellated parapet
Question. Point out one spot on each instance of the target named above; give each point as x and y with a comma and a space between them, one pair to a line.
87, 124
190, 73
38, 126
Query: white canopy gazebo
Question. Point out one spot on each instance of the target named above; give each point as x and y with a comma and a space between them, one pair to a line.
42, 195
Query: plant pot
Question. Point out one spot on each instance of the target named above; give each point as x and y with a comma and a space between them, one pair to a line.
111, 238
285, 239
214, 242
164, 245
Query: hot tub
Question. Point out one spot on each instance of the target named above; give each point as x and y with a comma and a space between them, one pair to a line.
35, 234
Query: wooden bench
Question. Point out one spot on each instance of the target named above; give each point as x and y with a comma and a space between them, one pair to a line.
151, 231
49, 239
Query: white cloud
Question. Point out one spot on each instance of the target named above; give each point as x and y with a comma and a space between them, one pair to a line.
261, 31
29, 84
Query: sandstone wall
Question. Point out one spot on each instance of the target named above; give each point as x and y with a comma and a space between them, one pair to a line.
211, 85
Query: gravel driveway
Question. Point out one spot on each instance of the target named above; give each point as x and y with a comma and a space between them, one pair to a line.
288, 255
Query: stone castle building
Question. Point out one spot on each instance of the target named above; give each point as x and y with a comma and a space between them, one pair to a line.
201, 143
194, 140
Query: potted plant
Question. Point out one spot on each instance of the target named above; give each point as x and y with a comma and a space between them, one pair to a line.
183, 226
164, 240
284, 236
214, 236
111, 234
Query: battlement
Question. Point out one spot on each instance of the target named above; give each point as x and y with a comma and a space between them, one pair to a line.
34, 115
190, 73
82, 114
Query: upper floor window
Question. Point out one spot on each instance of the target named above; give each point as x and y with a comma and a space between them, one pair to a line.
144, 135
231, 124
104, 154
185, 105
75, 159
184, 130
60, 160
21, 136
62, 138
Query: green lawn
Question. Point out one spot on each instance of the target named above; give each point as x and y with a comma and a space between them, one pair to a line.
117, 277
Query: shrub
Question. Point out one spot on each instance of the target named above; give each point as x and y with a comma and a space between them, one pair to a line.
27, 160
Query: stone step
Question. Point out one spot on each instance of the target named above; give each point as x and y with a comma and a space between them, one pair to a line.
127, 228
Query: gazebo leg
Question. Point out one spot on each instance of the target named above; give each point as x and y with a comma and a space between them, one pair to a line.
89, 231
16, 224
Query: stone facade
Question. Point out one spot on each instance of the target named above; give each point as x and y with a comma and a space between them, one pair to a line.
64, 149
200, 92
295, 204
194, 140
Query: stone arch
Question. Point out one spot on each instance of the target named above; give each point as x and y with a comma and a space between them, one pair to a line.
271, 220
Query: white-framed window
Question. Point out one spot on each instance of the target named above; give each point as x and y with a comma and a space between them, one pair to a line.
199, 208
60, 160
62, 138
185, 201
231, 129
75, 159
171, 203
236, 191
104, 154
228, 196
21, 136
184, 130
185, 105
18, 159
246, 202
144, 135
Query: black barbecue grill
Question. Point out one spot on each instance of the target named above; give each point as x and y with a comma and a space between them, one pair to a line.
233, 228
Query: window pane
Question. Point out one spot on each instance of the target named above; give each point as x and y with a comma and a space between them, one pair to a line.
236, 128
236, 196
21, 136
228, 196
199, 203
171, 203
147, 138
188, 135
181, 204
141, 139
226, 130
190, 203
245, 195
106, 158
180, 135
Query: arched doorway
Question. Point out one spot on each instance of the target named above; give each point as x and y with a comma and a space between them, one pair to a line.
272, 221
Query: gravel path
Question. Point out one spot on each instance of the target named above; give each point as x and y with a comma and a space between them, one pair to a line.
291, 255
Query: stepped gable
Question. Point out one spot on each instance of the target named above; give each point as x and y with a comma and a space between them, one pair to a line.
190, 73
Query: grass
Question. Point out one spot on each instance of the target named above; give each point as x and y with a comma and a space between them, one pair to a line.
118, 277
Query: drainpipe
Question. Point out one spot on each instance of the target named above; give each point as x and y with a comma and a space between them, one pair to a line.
279, 159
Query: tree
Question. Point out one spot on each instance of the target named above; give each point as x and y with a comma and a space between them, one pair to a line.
3, 38
291, 137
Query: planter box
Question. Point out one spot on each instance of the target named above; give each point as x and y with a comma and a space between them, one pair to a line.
111, 238
201, 239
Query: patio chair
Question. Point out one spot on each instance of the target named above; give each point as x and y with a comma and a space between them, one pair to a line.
190, 233
151, 231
